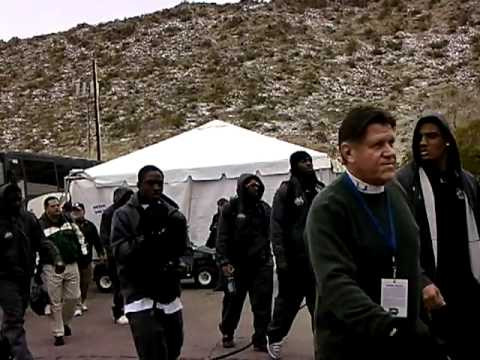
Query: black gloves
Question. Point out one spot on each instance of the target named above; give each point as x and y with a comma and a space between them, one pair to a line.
59, 267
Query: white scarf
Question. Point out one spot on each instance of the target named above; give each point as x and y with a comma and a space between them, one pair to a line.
472, 230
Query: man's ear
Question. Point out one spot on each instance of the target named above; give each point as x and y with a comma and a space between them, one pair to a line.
347, 153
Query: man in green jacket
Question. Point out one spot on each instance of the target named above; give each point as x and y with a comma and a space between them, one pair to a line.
364, 247
63, 288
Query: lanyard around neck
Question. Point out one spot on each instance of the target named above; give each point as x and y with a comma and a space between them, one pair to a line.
389, 236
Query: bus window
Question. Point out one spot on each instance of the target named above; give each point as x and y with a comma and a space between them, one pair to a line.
40, 177
62, 172
37, 174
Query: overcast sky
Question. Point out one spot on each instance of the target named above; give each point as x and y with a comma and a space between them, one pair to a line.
27, 18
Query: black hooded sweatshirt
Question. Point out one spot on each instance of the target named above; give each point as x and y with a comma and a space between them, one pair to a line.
243, 228
452, 273
119, 199
289, 216
21, 237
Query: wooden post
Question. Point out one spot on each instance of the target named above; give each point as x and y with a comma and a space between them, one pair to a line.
89, 131
97, 112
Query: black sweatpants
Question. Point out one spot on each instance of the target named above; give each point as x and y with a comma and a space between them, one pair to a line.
118, 301
258, 283
293, 287
157, 336
13, 301
455, 324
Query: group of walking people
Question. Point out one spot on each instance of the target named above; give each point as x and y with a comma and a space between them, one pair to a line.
386, 260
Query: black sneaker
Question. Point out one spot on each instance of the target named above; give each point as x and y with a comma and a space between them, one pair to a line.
67, 331
227, 341
58, 341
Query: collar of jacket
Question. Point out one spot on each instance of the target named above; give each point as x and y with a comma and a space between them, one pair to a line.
364, 187
61, 220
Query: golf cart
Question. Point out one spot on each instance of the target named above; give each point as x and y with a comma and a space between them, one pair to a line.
201, 266
101, 277
198, 265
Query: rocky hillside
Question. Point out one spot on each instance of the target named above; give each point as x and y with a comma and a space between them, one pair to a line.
289, 68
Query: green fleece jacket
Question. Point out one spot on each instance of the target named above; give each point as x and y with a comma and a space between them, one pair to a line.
349, 259
66, 236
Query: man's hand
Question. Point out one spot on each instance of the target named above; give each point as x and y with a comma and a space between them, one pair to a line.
59, 267
228, 270
432, 298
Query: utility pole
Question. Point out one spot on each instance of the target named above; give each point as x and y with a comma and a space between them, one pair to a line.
89, 131
97, 111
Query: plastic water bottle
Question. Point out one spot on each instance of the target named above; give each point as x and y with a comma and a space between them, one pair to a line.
231, 285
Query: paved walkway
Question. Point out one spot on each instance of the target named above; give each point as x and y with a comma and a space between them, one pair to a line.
95, 337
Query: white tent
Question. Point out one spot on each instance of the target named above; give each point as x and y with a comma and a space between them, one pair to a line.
200, 166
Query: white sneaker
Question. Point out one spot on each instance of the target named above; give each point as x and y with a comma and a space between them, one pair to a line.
78, 312
48, 309
84, 307
274, 349
122, 320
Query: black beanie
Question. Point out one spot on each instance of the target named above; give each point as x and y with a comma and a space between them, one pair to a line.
298, 156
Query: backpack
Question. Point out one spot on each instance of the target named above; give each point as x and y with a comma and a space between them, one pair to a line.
39, 298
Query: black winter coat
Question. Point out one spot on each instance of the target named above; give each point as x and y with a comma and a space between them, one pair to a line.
147, 245
21, 237
243, 230
287, 225
92, 239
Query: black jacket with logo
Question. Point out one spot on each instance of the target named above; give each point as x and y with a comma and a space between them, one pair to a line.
21, 237
147, 243
243, 229
449, 207
92, 239
287, 225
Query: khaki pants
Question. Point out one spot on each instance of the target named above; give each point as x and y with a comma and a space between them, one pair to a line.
64, 292
85, 280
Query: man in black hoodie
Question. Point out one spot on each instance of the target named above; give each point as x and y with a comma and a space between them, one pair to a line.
120, 197
21, 238
212, 237
149, 235
446, 203
243, 250
295, 277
